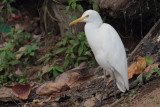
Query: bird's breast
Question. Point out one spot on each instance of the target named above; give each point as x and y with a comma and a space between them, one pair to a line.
93, 38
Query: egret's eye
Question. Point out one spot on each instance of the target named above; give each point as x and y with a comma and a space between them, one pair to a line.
87, 16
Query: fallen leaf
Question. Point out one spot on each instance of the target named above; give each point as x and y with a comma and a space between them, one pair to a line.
6, 94
63, 82
109, 80
77, 79
90, 102
37, 37
73, 78
136, 67
149, 68
19, 52
21, 90
51, 87
44, 69
19, 72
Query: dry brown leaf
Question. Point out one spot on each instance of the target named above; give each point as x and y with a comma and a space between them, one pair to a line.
51, 87
19, 52
19, 72
44, 69
65, 81
73, 78
109, 80
90, 102
6, 94
136, 67
21, 90
149, 68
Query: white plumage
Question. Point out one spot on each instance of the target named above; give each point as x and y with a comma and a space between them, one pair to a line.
107, 47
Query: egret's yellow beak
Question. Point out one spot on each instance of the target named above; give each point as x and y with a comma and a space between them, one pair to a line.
78, 20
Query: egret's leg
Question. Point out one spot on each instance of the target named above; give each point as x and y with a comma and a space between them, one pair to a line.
103, 87
114, 84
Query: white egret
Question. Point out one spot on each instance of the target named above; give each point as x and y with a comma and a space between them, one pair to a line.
107, 48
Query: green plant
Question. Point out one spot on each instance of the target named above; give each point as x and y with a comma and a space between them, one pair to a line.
47, 57
8, 54
21, 79
56, 70
7, 57
30, 49
132, 93
18, 38
29, 53
95, 5
156, 70
73, 4
76, 49
149, 60
5, 7
40, 76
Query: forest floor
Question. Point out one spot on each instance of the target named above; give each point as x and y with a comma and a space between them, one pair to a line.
85, 91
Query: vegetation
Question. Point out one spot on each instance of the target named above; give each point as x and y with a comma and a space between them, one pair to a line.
8, 54
5, 7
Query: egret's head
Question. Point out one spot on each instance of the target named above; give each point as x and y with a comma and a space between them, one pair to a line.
89, 16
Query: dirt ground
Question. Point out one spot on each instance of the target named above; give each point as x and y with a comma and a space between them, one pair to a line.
146, 96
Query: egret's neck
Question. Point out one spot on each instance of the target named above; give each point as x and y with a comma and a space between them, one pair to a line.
93, 26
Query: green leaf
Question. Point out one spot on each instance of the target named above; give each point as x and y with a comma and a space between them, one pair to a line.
95, 6
14, 62
73, 6
88, 53
80, 8
71, 41
9, 8
157, 70
59, 50
149, 60
59, 68
32, 54
67, 9
159, 50
81, 58
4, 1
80, 50
148, 75
46, 60
72, 56
64, 41
1, 20
22, 80
66, 63
139, 81
74, 17
68, 33
2, 54
55, 73
49, 69
76, 64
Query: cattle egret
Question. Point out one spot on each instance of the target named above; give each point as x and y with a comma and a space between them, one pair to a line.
107, 48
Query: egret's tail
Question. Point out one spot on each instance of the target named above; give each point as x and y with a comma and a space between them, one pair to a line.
122, 83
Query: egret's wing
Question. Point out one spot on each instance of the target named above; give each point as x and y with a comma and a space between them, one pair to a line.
115, 55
